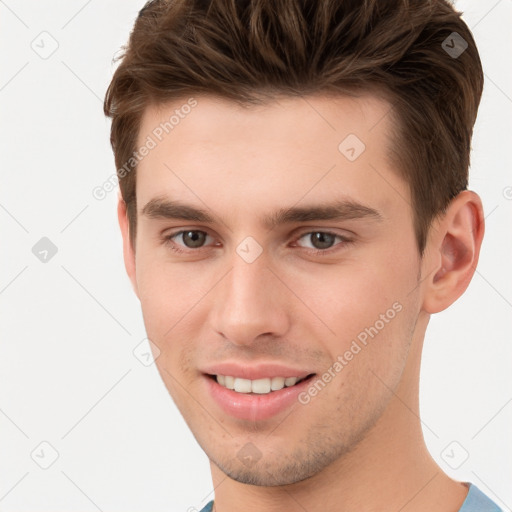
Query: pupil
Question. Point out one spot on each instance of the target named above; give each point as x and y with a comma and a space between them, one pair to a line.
325, 240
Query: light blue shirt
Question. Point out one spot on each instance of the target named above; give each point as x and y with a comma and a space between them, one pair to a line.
476, 501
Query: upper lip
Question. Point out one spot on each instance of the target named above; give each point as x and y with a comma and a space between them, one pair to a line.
255, 371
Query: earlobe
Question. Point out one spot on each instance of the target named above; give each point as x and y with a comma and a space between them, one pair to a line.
128, 249
453, 252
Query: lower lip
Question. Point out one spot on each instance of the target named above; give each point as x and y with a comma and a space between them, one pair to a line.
253, 406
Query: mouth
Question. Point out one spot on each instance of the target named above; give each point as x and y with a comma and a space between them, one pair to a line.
255, 400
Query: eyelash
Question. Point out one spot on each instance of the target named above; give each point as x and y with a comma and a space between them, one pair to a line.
316, 252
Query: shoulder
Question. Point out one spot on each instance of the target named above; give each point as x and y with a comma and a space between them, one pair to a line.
477, 501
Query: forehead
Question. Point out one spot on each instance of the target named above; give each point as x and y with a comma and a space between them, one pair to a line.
282, 151
332, 114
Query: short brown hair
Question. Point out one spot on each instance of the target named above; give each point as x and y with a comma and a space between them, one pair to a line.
245, 50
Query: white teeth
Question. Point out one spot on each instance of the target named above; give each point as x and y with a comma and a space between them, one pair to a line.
290, 381
229, 382
243, 385
277, 383
259, 386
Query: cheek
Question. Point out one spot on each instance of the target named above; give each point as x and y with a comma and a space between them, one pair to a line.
351, 297
167, 292
168, 295
370, 309
372, 315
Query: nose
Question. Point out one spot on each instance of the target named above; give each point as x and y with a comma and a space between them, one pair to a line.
250, 303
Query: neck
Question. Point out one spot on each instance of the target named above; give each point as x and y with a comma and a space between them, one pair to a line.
389, 470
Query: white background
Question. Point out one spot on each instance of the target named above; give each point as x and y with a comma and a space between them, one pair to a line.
68, 375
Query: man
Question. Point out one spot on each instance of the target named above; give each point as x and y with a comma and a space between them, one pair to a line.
294, 207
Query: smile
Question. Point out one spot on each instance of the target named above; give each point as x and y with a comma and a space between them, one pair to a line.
255, 399
258, 386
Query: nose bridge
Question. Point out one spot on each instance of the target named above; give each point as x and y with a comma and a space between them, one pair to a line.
248, 303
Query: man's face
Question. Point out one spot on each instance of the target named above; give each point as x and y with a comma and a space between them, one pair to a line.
259, 301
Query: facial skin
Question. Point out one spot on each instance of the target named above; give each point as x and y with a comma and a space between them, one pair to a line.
208, 305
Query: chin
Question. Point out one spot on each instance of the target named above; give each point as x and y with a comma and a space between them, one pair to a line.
276, 469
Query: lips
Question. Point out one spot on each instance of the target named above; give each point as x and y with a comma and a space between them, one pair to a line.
261, 404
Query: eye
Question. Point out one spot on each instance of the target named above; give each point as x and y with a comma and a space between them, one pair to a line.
323, 241
191, 239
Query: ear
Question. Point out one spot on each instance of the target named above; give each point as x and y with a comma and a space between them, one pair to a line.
452, 251
128, 249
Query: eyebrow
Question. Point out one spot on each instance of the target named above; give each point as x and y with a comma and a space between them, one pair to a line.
161, 208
